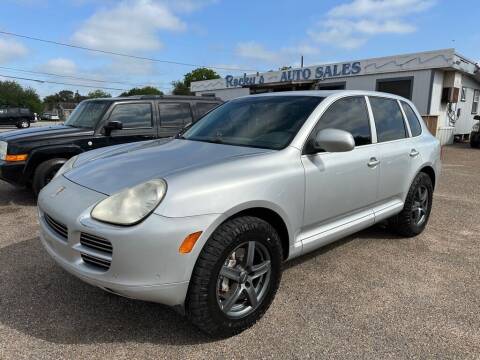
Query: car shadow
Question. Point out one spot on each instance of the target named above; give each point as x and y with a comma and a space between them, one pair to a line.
379, 231
40, 299
14, 195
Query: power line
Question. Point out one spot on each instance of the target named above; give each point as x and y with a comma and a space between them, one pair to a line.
60, 83
68, 76
121, 54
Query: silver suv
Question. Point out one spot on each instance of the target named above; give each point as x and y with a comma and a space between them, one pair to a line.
204, 221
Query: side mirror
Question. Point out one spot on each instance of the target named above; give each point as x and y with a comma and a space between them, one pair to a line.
333, 140
476, 117
112, 125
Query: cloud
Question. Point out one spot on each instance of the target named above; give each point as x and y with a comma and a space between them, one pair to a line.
256, 51
351, 25
11, 50
129, 26
380, 8
60, 66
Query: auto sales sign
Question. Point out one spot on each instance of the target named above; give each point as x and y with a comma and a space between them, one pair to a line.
321, 72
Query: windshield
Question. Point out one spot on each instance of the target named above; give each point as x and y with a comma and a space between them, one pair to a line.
87, 114
266, 121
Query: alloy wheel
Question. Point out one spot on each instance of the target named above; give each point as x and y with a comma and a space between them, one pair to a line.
244, 279
420, 205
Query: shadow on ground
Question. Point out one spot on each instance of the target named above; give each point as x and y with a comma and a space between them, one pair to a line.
41, 300
13, 195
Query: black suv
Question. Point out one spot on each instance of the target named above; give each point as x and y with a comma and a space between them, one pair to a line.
32, 156
20, 117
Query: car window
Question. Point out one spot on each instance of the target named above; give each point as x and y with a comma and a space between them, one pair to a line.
86, 115
204, 107
349, 114
388, 119
412, 119
133, 115
175, 114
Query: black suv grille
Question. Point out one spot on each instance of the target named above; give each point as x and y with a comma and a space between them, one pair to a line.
57, 227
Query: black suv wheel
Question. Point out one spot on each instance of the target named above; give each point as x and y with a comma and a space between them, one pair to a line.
45, 172
236, 277
416, 211
23, 124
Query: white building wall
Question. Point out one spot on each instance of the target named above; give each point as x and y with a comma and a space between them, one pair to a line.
465, 121
226, 94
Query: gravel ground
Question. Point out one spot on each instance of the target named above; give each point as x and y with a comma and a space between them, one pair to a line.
372, 295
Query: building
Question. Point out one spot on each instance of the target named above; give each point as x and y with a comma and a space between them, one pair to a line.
444, 85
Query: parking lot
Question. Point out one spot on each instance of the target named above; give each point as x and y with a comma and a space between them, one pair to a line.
4, 128
371, 295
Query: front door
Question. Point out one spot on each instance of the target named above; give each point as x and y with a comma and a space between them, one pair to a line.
340, 187
138, 120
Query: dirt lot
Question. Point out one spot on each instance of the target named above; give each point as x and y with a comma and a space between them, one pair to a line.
372, 295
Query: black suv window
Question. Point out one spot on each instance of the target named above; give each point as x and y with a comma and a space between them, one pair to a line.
204, 107
133, 115
412, 118
349, 114
175, 114
388, 119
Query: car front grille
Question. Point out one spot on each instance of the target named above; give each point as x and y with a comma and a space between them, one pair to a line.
96, 243
57, 227
96, 262
100, 255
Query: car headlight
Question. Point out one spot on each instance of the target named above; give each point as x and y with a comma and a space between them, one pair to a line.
132, 205
476, 127
3, 150
67, 166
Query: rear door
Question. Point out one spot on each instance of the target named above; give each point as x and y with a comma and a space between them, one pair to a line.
174, 116
138, 120
394, 149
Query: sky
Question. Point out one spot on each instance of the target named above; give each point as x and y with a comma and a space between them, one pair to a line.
230, 36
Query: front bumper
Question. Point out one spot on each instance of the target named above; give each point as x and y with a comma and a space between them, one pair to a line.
144, 264
12, 172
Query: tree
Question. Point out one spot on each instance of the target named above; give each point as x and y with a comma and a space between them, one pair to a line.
13, 94
147, 90
62, 96
182, 87
98, 94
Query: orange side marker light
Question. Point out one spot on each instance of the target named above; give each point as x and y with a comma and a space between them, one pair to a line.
21, 157
189, 242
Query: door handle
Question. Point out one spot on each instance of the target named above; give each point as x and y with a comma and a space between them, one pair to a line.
414, 153
373, 162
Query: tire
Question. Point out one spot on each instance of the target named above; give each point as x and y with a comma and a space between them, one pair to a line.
23, 124
474, 144
45, 172
412, 221
207, 304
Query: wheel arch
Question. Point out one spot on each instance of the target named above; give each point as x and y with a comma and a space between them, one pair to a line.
427, 169
38, 156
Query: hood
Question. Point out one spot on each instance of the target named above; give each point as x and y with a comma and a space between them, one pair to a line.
41, 132
126, 166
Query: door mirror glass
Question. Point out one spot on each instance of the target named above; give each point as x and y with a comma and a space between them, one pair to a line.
333, 140
112, 125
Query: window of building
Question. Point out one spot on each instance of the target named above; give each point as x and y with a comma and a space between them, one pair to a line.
349, 114
412, 119
463, 95
400, 87
388, 119
476, 99
175, 114
133, 115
